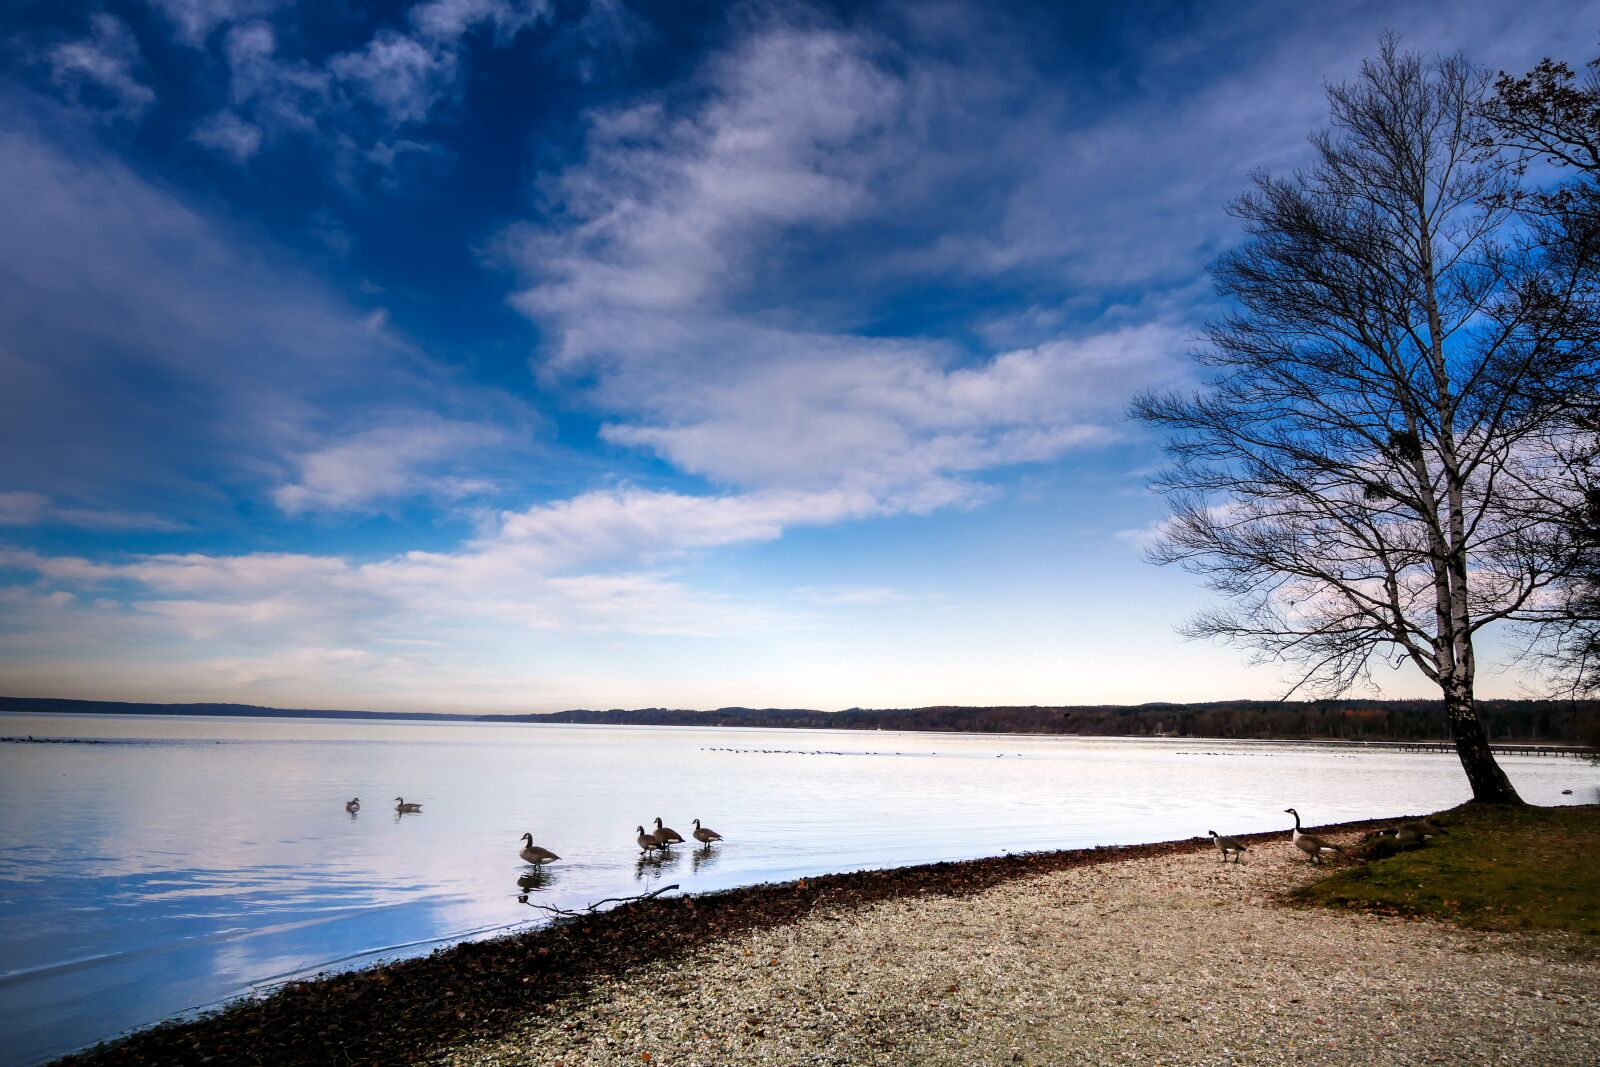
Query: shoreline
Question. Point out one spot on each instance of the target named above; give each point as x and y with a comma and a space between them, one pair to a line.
849, 721
473, 991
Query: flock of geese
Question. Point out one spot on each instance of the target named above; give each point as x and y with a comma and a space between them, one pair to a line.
1407, 835
400, 806
660, 840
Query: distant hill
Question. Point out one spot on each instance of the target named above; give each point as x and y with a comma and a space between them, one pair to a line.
1551, 721
50, 705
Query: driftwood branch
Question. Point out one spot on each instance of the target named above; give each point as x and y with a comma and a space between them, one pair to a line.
567, 913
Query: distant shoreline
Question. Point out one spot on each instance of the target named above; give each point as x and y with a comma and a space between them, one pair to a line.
1547, 724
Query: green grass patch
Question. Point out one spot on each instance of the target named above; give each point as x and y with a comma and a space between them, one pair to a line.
1498, 868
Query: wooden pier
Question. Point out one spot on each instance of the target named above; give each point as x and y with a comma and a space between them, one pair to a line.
1507, 749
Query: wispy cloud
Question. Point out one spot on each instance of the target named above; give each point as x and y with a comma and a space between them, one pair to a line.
423, 457
101, 70
680, 210
36, 509
194, 20
358, 103
211, 363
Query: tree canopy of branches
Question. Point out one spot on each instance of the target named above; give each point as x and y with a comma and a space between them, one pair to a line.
1552, 116
1363, 477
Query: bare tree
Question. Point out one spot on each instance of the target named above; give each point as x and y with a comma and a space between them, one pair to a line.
1364, 476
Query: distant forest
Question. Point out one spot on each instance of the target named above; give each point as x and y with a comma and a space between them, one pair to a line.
1356, 720
1373, 720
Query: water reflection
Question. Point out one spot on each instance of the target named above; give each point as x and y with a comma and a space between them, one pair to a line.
652, 865
234, 866
533, 880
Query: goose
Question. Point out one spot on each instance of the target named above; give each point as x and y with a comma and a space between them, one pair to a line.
1226, 845
667, 835
704, 834
403, 808
1313, 847
1424, 826
1410, 835
647, 842
354, 805
532, 853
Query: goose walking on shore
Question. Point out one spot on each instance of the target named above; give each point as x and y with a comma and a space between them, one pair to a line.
354, 805
401, 807
648, 842
1313, 847
1228, 846
704, 834
667, 835
534, 854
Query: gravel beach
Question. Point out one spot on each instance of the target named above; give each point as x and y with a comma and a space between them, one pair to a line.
1140, 954
1166, 958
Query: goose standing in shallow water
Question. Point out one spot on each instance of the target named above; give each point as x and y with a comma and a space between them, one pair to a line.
1226, 845
705, 835
534, 854
354, 805
667, 835
403, 808
648, 842
1313, 847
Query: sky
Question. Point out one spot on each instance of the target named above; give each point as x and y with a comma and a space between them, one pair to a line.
518, 355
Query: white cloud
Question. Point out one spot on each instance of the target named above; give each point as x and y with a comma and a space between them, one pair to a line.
449, 20
23, 509
651, 286
227, 133
355, 101
630, 524
104, 62
886, 417
399, 74
671, 209
195, 19
389, 463
534, 572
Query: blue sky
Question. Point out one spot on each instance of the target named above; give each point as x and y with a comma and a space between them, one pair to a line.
520, 355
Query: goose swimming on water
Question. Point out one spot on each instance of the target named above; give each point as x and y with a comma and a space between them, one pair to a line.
354, 805
1313, 847
535, 854
403, 808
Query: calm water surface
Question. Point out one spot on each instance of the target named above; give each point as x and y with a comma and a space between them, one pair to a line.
185, 861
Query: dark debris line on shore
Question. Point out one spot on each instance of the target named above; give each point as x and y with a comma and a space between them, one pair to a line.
405, 1010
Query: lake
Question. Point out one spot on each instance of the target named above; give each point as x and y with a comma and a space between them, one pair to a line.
177, 862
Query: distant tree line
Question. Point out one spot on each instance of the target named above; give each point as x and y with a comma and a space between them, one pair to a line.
1566, 721
1554, 721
